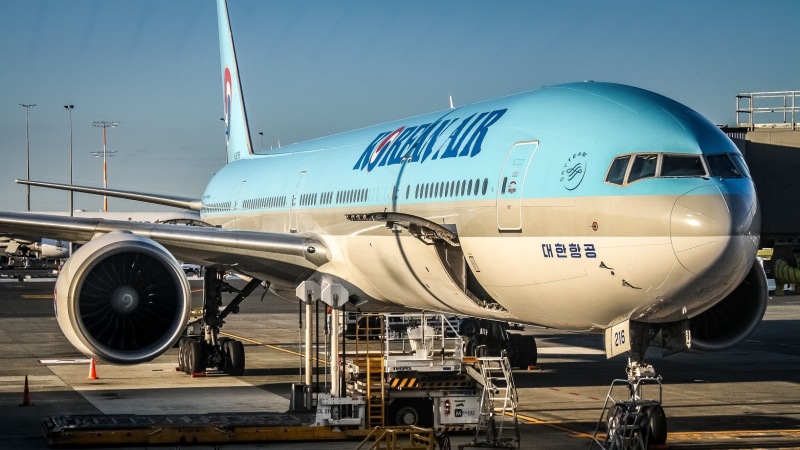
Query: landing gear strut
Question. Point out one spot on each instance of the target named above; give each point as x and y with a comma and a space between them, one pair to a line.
198, 352
631, 420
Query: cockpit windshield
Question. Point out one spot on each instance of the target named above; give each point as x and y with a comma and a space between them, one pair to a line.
630, 168
682, 166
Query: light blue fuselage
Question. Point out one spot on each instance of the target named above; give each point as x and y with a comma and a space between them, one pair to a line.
519, 179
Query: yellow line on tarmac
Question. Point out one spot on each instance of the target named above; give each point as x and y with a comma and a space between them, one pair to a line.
555, 425
50, 296
292, 352
737, 434
679, 436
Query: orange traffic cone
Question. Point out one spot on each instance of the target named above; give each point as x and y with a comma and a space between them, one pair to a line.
26, 394
92, 371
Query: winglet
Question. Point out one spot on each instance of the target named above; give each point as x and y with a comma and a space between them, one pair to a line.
237, 134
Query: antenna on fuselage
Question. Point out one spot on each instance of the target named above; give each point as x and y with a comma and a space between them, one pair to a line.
451, 103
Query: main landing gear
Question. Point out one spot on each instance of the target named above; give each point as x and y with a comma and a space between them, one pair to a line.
632, 420
490, 338
198, 352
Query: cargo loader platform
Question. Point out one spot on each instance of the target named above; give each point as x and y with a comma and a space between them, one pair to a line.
183, 429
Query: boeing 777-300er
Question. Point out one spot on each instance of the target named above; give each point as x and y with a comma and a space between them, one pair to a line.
584, 206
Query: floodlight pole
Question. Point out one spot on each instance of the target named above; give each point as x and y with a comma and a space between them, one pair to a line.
27, 152
71, 193
104, 124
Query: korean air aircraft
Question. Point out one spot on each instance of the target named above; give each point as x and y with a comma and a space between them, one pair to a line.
583, 206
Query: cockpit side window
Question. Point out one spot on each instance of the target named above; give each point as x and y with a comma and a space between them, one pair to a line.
682, 166
616, 173
644, 166
737, 159
722, 166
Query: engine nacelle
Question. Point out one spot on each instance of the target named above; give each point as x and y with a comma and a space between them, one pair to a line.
733, 319
52, 248
122, 299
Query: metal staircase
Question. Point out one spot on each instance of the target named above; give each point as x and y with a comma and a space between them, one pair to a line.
370, 361
497, 424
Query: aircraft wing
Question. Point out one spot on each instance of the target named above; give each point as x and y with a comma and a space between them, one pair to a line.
167, 200
249, 252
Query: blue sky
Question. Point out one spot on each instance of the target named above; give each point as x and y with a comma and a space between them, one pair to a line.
314, 68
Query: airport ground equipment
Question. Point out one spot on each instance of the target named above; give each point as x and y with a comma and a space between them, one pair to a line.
411, 370
497, 425
184, 429
632, 423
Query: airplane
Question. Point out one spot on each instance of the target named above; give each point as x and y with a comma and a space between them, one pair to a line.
587, 206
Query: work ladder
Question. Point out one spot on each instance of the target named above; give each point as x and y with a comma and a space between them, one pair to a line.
498, 417
370, 360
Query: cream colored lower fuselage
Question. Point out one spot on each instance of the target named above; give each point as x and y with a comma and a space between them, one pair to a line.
629, 269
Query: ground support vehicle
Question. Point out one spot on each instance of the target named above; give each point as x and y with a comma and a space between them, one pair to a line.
411, 369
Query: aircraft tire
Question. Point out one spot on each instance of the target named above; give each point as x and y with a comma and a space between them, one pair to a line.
186, 346
528, 353
182, 355
196, 357
235, 351
657, 426
469, 327
469, 345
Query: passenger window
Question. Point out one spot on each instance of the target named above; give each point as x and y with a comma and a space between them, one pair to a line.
616, 173
643, 166
682, 166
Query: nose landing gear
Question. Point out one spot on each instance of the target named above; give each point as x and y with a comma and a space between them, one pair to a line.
632, 421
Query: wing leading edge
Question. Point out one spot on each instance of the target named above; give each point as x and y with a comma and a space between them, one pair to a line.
166, 200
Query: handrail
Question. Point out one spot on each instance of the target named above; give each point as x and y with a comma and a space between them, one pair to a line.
776, 109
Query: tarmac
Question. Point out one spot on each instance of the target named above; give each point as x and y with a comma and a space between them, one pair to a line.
747, 397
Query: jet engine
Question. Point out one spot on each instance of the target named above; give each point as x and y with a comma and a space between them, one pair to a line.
734, 318
122, 299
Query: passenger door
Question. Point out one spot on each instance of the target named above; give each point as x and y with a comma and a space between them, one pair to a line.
512, 182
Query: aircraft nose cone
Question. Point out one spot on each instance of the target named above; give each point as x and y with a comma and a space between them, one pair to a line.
713, 234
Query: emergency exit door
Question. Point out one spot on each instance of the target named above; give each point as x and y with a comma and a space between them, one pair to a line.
512, 182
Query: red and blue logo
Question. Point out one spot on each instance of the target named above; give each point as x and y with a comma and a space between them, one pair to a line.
227, 94
385, 144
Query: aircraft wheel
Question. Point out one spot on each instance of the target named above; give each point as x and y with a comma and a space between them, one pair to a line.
182, 355
616, 420
657, 426
235, 351
526, 346
469, 327
196, 357
469, 345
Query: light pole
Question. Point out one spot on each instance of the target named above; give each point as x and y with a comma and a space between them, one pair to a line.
27, 152
104, 124
71, 193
